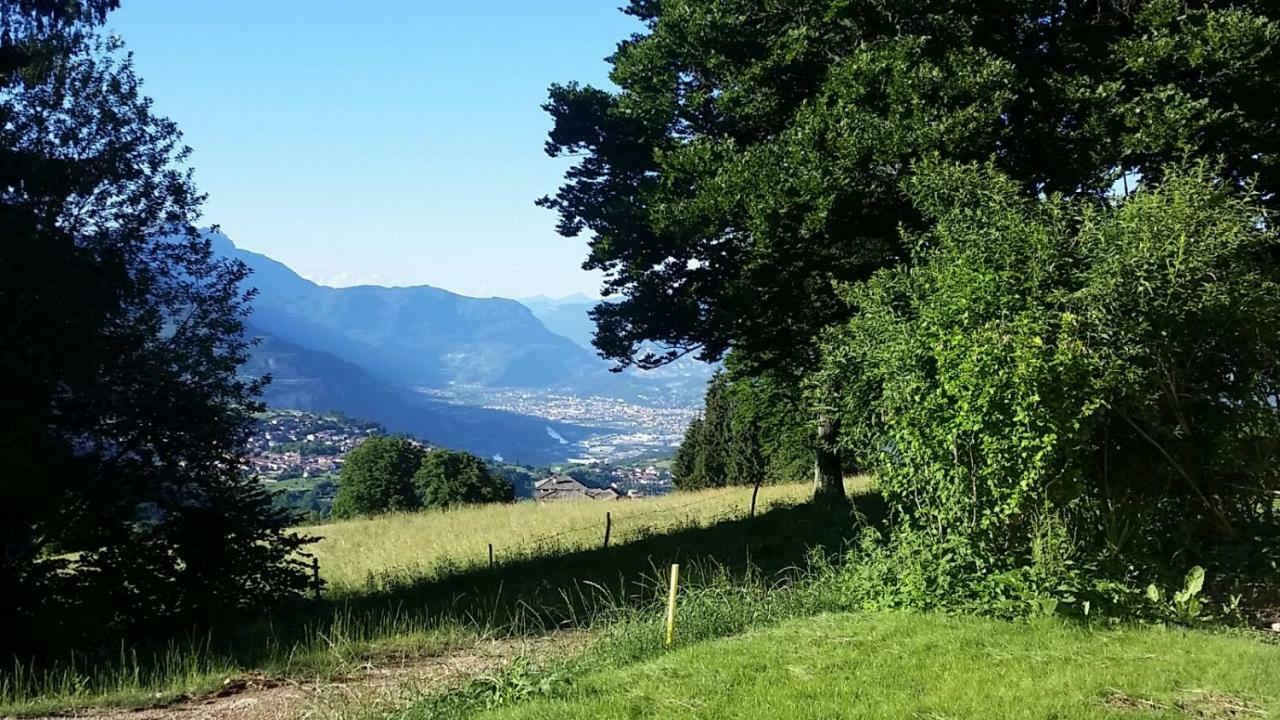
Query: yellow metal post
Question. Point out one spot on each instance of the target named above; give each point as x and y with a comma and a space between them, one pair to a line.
671, 604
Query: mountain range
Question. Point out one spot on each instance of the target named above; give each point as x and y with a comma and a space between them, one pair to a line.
369, 351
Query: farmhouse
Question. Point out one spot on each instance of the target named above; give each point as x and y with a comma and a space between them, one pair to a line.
563, 487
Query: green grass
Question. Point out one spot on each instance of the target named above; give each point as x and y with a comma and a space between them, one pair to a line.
905, 665
420, 585
360, 555
761, 632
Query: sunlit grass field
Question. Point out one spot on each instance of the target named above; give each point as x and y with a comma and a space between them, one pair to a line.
909, 665
415, 585
359, 555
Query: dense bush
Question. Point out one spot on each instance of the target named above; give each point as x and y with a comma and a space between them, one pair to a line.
1111, 366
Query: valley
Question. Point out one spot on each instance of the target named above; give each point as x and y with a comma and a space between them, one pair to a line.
485, 375
299, 456
621, 430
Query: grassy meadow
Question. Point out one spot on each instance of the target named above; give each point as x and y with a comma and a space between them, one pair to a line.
758, 634
358, 555
908, 665
407, 586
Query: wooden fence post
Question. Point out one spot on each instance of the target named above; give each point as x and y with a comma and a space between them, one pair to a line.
315, 576
490, 556
608, 527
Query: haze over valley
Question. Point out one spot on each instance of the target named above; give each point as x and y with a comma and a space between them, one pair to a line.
486, 375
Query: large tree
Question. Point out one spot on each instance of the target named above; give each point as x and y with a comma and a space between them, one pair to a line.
753, 154
121, 413
377, 477
449, 478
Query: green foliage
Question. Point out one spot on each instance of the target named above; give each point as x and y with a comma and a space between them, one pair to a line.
750, 164
751, 156
522, 478
446, 478
1185, 606
521, 681
684, 464
122, 417
394, 474
752, 430
1111, 366
310, 499
377, 477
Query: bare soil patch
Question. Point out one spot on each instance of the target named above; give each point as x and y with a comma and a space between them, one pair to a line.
379, 681
1199, 704
1210, 705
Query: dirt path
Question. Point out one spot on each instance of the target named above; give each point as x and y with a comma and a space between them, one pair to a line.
254, 697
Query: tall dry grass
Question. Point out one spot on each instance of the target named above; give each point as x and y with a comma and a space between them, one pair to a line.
353, 554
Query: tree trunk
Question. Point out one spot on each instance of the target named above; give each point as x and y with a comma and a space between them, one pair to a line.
828, 475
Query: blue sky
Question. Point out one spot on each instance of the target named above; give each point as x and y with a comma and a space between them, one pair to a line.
395, 142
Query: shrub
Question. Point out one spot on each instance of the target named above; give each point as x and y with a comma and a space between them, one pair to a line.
1110, 366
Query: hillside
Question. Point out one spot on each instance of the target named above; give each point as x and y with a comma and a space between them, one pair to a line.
445, 367
316, 381
418, 336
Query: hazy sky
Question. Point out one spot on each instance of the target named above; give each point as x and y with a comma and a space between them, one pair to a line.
395, 142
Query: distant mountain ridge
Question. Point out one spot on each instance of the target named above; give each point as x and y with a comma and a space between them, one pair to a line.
315, 381
570, 317
567, 316
415, 336
368, 351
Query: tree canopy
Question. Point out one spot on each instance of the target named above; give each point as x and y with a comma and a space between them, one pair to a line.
394, 474
448, 478
1018, 259
753, 154
122, 416
377, 477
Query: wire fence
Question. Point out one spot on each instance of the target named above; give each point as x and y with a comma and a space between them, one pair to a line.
608, 522
617, 523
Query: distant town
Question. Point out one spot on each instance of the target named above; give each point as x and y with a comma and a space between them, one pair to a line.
299, 455
287, 444
633, 432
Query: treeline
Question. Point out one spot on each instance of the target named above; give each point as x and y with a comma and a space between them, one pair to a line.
751, 431
395, 474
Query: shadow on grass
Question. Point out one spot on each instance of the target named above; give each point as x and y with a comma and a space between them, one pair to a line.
549, 589
541, 590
